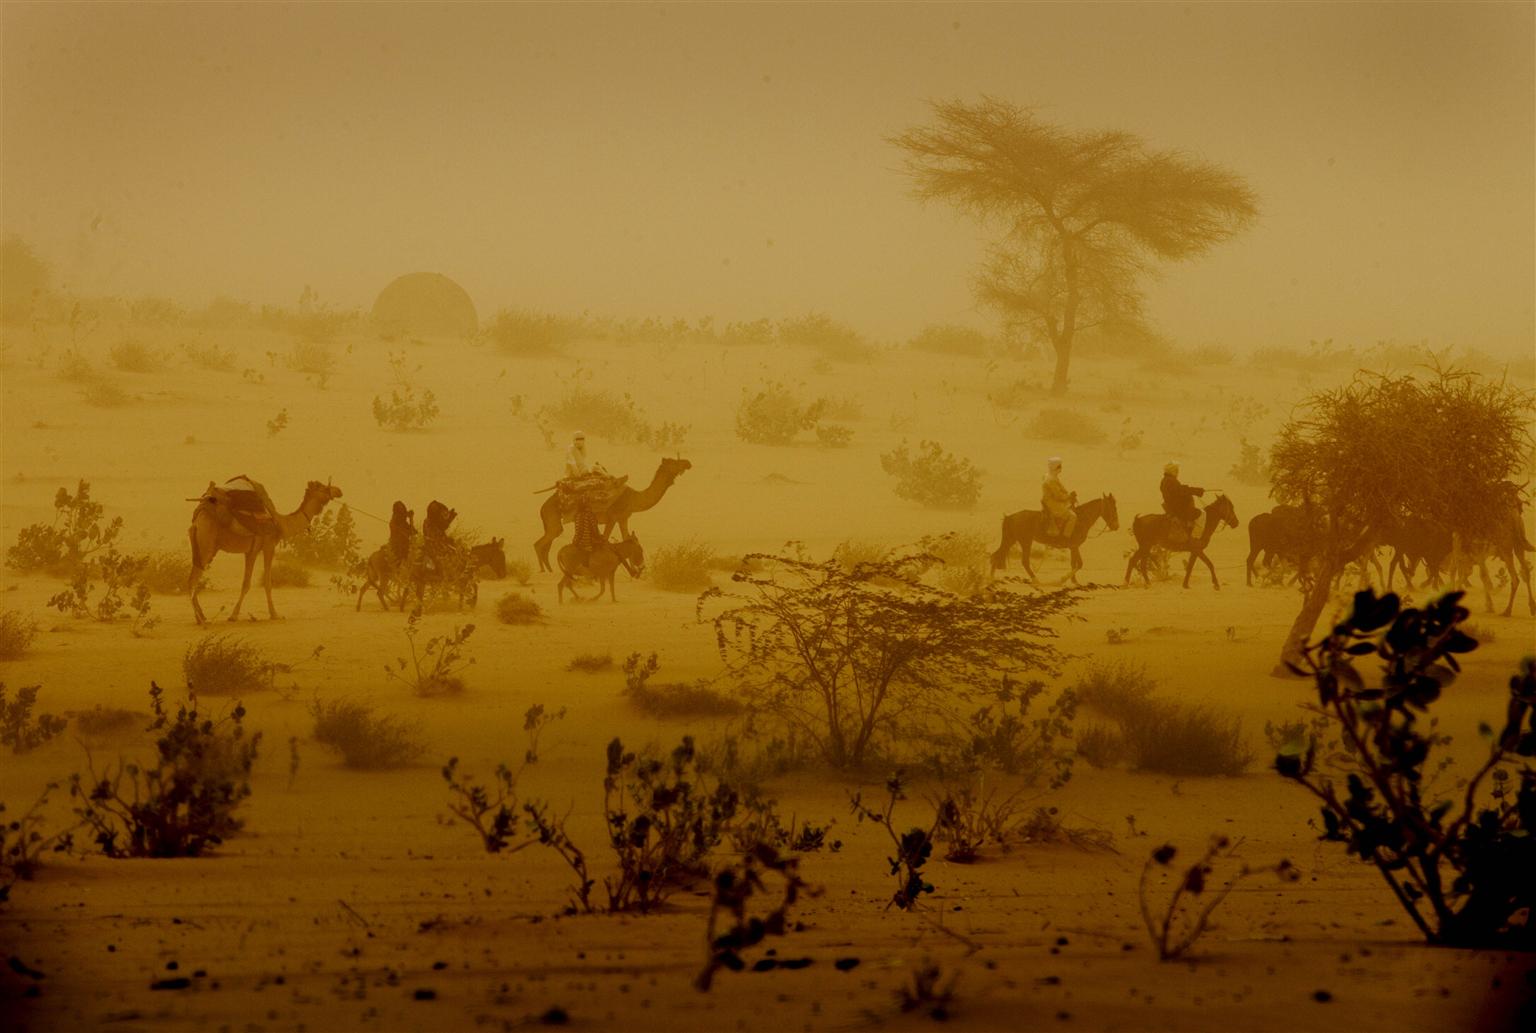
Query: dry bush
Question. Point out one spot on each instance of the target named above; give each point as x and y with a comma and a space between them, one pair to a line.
210, 357
833, 435
519, 571
100, 721
166, 572
933, 477
1252, 468
23, 842
775, 415
591, 663
522, 332
967, 566
1066, 425
609, 416
313, 359
949, 339
223, 665
17, 631
673, 699
285, 573
514, 608
366, 741
1101, 746
105, 394
1016, 394
435, 668
826, 336
18, 728
75, 368
681, 568
853, 551
134, 356
1156, 734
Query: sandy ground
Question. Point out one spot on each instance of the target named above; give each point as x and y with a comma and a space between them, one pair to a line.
348, 896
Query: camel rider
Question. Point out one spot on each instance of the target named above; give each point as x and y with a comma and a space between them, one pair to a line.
583, 479
402, 528
1056, 501
576, 462
1179, 499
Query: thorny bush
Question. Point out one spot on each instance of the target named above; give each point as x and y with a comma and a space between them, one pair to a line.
23, 842
1195, 897
932, 476
913, 847
1459, 864
18, 728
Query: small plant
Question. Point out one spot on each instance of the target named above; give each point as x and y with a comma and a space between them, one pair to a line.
23, 842
1194, 898
535, 720
491, 812
519, 572
134, 356
552, 834
758, 823
611, 416
1065, 425
927, 989
313, 359
332, 542
775, 415
591, 663
1001, 736
18, 728
515, 608
77, 532
913, 847
105, 394
434, 669
833, 435
285, 573
1459, 864
223, 665
166, 572
123, 590
277, 424
17, 631
1252, 467
672, 699
681, 568
99, 721
932, 476
186, 800
365, 740
1157, 734
734, 887
971, 814
210, 357
826, 336
406, 409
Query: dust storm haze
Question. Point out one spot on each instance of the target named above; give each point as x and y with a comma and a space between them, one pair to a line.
967, 447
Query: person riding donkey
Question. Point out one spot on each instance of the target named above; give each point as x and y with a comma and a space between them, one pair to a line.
1179, 500
1056, 502
436, 546
402, 528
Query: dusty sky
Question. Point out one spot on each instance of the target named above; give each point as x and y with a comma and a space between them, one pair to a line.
731, 160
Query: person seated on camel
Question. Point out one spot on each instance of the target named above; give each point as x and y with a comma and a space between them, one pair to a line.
1057, 502
1179, 500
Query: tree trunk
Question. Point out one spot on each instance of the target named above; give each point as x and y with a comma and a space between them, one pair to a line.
1313, 602
1063, 360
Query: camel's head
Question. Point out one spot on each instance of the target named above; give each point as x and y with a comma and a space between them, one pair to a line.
672, 469
1111, 513
322, 493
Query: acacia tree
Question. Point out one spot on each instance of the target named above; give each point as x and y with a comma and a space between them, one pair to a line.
1086, 213
1362, 458
844, 654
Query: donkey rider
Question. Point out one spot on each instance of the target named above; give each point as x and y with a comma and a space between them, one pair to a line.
1056, 502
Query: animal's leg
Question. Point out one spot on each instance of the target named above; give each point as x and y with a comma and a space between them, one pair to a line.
1482, 570
1077, 564
1252, 555
1189, 567
266, 577
195, 578
245, 584
1130, 565
1212, 567
367, 584
1029, 568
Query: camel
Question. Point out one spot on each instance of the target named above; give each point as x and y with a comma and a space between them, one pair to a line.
1509, 546
626, 504
1154, 529
601, 564
215, 529
1023, 529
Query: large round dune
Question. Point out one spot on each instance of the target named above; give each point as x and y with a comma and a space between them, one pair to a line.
425, 304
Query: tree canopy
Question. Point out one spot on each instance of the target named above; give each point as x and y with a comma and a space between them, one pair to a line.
1086, 213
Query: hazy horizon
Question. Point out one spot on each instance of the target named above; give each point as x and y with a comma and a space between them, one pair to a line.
692, 160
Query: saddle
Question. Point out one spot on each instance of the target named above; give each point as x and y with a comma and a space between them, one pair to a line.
1181, 531
243, 501
593, 492
1053, 530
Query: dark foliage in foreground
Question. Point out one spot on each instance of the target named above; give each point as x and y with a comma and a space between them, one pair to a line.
734, 888
1460, 864
18, 728
1196, 896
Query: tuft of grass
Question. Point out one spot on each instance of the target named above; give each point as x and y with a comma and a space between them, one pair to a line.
1067, 425
682, 568
17, 631
519, 572
366, 741
591, 663
1156, 734
100, 721
513, 608
134, 356
166, 572
105, 394
224, 665
683, 699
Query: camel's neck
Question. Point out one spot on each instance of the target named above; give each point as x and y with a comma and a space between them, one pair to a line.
651, 494
290, 525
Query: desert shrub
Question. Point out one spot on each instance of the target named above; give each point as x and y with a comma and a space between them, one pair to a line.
332, 541
277, 424
1001, 735
1157, 734
609, 416
183, 802
312, 358
591, 663
1458, 861
1101, 745
17, 631
933, 477
285, 573
759, 823
1252, 467
492, 811
134, 356
535, 720
123, 590
223, 665
519, 572
734, 887
77, 532
365, 740
971, 814
24, 841
210, 357
166, 572
833, 435
435, 668
774, 415
966, 566
887, 646
826, 336
514, 608
1016, 394
521, 332
913, 848
929, 990
1195, 896
405, 410
851, 552
673, 699
1065, 425
102, 721
681, 568
949, 339
18, 728
75, 368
